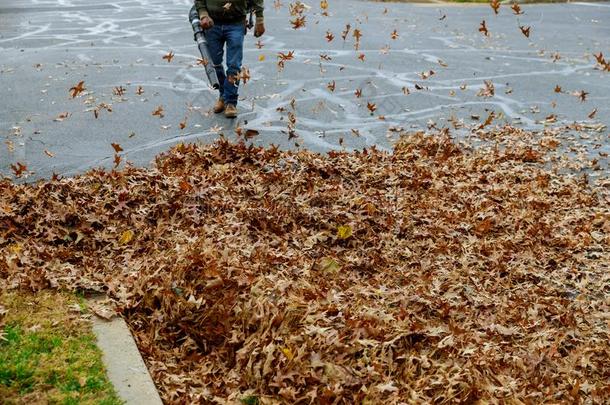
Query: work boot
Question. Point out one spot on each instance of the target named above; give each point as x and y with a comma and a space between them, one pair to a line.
231, 111
219, 106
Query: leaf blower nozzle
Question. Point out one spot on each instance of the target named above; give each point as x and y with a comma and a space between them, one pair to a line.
202, 44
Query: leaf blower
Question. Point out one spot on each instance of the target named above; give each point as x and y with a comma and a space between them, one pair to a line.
202, 44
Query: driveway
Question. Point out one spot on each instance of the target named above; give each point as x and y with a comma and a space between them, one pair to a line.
433, 52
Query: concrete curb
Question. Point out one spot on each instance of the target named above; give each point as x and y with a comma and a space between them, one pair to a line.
124, 364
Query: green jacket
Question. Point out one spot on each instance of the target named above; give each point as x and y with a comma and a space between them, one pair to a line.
228, 11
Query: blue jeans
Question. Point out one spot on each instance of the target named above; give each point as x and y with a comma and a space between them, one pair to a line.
233, 36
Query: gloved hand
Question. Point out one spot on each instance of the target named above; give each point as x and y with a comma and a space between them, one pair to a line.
207, 22
259, 28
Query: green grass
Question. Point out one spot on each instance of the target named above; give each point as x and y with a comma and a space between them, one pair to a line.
48, 352
250, 400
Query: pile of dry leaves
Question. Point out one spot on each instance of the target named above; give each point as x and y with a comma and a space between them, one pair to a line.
438, 273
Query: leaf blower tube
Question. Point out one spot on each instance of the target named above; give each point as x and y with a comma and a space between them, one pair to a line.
202, 44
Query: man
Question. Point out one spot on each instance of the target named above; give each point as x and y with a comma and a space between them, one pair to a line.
224, 22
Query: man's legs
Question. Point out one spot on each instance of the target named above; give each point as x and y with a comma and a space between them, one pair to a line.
234, 37
216, 41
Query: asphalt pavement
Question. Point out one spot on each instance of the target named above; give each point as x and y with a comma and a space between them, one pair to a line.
414, 66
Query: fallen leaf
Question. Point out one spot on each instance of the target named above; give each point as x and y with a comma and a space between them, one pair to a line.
516, 9
344, 231
298, 22
126, 237
19, 169
483, 28
288, 353
158, 112
488, 90
76, 90
525, 30
62, 116
329, 265
169, 56
251, 133
495, 5
345, 32
582, 95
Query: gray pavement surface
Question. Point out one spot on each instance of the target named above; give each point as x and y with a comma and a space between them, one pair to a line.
47, 47
124, 364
